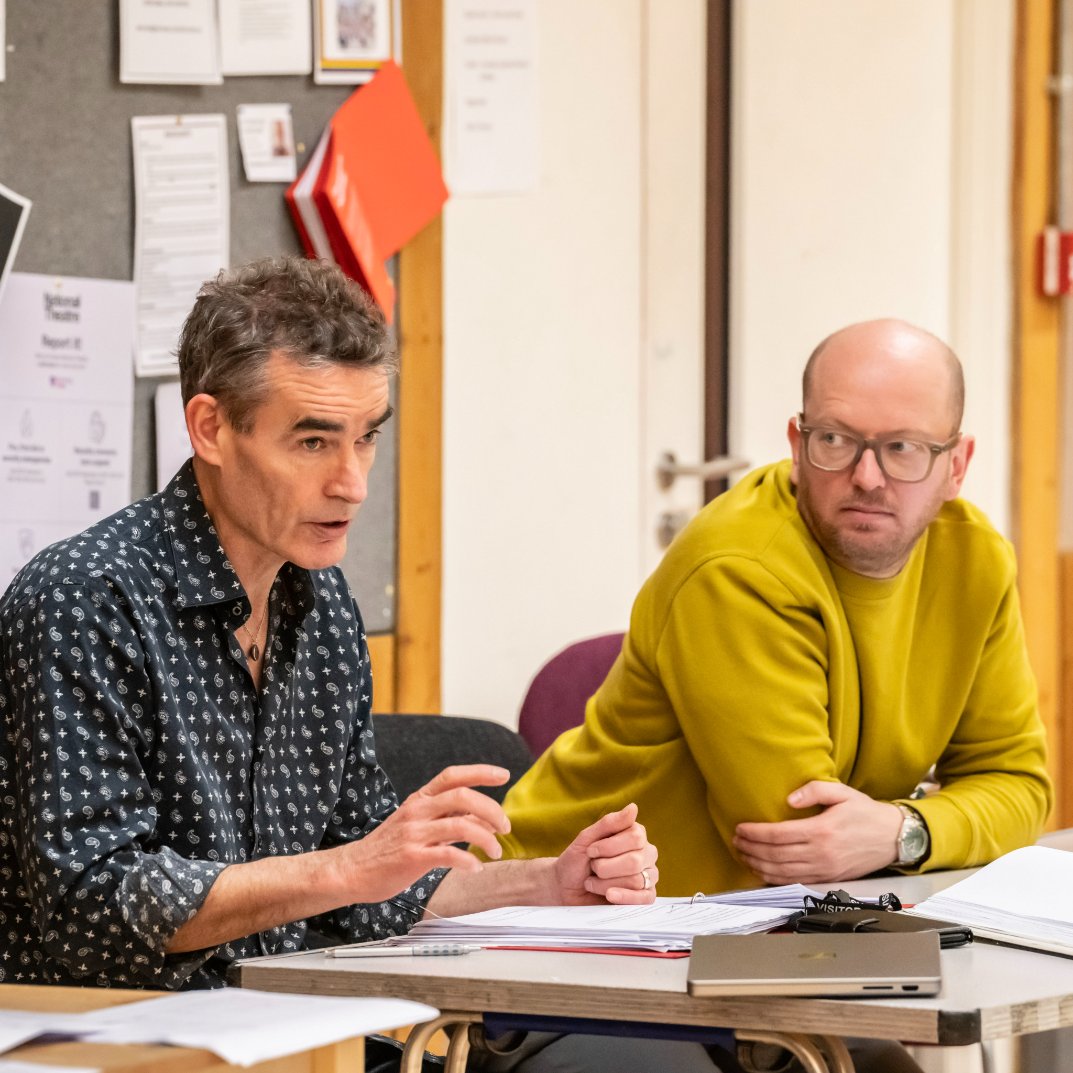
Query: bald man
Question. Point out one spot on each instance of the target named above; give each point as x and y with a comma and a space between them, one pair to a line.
817, 641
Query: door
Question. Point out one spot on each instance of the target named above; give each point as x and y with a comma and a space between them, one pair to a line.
685, 224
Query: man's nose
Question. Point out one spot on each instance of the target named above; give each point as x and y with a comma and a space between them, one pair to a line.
867, 474
349, 481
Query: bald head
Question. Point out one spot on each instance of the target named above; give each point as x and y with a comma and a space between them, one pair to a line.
886, 349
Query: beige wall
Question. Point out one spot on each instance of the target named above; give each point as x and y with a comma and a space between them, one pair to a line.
871, 164
871, 178
541, 374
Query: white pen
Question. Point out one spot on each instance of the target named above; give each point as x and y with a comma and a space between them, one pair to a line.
423, 950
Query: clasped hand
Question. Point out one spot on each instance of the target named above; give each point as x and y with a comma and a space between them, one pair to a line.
852, 836
611, 860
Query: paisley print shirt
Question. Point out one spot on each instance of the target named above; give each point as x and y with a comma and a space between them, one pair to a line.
137, 760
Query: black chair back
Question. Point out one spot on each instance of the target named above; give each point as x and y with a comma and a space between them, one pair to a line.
414, 748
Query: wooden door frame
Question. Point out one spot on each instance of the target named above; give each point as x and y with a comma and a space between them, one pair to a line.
717, 238
406, 663
1035, 395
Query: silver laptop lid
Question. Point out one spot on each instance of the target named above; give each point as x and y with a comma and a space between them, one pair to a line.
840, 963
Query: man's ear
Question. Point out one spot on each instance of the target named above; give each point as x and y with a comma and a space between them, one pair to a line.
960, 457
793, 434
206, 424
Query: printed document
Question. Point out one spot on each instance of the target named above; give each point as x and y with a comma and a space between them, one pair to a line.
182, 225
666, 924
492, 108
244, 1027
266, 37
66, 411
172, 440
176, 42
1022, 899
266, 141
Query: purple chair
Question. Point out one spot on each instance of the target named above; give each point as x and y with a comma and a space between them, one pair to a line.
555, 700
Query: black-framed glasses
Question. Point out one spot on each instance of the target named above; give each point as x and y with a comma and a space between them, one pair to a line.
834, 449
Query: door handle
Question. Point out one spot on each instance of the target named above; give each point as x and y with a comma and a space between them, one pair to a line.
669, 468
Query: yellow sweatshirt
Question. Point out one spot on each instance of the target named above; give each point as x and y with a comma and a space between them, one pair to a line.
753, 665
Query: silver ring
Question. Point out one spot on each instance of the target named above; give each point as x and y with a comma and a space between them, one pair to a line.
647, 881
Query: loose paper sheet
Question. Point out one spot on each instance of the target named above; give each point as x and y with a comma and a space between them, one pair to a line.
66, 411
182, 225
21, 1026
173, 42
10, 1066
492, 115
266, 140
266, 37
244, 1027
172, 440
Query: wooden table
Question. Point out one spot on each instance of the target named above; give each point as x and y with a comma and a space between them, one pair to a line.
989, 992
345, 1057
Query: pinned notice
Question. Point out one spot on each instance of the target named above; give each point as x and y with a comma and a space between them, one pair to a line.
181, 225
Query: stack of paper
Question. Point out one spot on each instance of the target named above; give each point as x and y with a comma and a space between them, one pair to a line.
791, 896
1023, 899
371, 184
667, 924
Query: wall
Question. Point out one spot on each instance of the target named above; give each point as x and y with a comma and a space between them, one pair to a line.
541, 375
870, 177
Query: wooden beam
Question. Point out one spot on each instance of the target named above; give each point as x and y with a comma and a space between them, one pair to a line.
418, 610
1064, 758
1036, 394
382, 657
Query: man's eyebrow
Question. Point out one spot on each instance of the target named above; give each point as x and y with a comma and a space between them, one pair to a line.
325, 424
895, 434
316, 424
378, 421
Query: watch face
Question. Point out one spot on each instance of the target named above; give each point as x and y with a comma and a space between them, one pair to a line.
912, 839
913, 842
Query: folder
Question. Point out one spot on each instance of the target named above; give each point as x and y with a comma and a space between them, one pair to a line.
371, 185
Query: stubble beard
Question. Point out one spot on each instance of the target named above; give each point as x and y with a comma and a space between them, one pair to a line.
867, 554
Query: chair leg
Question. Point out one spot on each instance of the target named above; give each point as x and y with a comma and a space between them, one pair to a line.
817, 1054
414, 1050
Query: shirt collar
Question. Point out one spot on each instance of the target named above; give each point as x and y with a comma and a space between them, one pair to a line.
203, 574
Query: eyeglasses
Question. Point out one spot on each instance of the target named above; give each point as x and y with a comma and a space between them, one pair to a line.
909, 461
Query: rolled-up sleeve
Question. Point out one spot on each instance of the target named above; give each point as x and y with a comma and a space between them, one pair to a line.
366, 799
105, 894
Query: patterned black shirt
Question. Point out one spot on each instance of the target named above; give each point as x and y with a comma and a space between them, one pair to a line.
137, 760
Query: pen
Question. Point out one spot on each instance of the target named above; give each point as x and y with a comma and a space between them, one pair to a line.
424, 950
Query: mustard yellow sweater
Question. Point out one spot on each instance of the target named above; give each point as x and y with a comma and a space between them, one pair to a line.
753, 665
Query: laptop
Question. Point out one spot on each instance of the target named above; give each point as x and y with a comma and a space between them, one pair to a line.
835, 964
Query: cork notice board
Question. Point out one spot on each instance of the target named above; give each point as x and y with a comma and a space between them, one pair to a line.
65, 144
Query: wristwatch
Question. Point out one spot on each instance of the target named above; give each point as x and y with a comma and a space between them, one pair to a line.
914, 840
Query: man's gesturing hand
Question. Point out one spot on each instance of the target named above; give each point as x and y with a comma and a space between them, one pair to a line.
854, 835
421, 833
611, 861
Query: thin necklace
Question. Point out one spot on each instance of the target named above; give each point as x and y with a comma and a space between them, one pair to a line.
255, 651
